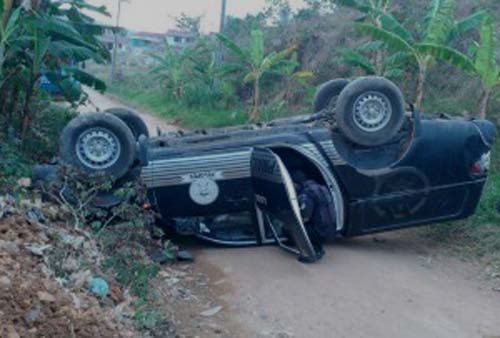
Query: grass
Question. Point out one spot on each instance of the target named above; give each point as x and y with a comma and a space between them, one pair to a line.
188, 117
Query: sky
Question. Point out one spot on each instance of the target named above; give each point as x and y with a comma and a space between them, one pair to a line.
159, 15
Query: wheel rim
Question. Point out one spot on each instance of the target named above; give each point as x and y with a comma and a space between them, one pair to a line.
98, 148
372, 111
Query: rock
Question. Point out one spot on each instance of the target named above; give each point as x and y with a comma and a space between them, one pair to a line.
46, 297
37, 249
70, 264
75, 241
12, 333
32, 315
5, 282
9, 247
185, 256
36, 215
211, 312
160, 257
80, 278
24, 182
99, 287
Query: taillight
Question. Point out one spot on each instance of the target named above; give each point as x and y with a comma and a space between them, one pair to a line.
481, 166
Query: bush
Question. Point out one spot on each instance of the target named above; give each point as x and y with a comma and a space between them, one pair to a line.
43, 139
41, 144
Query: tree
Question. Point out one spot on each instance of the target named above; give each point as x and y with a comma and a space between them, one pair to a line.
255, 63
483, 64
45, 38
377, 13
174, 69
440, 28
391, 67
189, 24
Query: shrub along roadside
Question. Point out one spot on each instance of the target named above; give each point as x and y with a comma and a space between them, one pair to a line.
196, 117
40, 145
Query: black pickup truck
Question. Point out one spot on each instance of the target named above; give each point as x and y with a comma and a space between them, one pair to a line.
359, 164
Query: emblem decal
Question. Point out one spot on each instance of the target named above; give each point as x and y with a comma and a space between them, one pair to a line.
204, 191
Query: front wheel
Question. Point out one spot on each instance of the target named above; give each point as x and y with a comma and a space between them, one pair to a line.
370, 111
98, 142
327, 94
132, 120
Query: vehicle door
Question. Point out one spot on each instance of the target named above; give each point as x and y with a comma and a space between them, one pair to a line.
276, 198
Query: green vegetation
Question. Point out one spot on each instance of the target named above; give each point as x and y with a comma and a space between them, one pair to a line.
41, 39
484, 64
255, 64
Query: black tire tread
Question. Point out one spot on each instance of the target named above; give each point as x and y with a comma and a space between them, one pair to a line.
132, 119
79, 124
326, 92
344, 110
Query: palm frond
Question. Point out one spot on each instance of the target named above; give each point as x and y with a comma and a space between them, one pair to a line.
354, 5
370, 46
468, 23
356, 59
394, 73
233, 47
397, 59
64, 49
447, 54
391, 24
273, 59
256, 47
440, 21
486, 58
391, 40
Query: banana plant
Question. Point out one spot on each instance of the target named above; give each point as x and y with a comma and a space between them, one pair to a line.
483, 64
256, 64
391, 67
8, 26
174, 69
46, 37
440, 27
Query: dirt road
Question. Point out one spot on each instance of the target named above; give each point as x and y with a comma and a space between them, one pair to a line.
392, 285
100, 102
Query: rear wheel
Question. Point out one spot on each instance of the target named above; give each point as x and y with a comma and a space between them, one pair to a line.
133, 121
370, 111
327, 94
98, 142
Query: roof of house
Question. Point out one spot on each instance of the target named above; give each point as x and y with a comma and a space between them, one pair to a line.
179, 33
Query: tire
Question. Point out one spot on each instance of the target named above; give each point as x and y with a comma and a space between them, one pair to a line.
116, 146
327, 94
133, 121
370, 111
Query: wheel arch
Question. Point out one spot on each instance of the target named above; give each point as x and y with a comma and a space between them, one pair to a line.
322, 172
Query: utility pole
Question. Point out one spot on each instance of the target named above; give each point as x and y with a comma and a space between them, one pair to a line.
115, 43
219, 57
223, 16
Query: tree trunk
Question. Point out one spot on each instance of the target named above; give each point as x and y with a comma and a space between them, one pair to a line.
254, 115
379, 69
483, 104
11, 107
420, 87
26, 119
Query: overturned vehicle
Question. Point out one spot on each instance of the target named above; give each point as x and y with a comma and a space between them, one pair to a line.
359, 164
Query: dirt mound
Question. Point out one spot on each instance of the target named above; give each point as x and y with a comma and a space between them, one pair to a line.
33, 302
